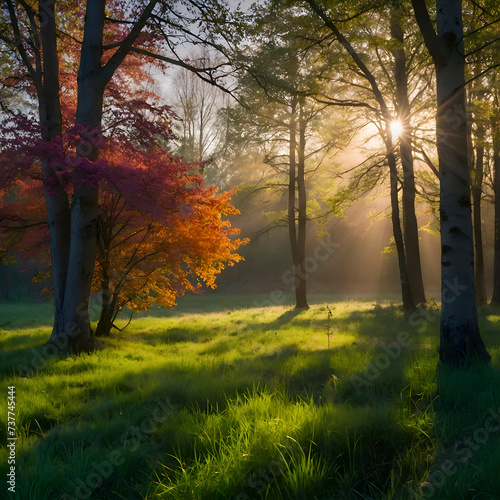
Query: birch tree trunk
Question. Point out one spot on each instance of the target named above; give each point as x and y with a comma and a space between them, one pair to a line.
460, 339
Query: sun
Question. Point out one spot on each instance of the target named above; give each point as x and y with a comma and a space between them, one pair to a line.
396, 128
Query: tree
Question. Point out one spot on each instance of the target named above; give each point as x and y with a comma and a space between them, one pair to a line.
200, 136
495, 127
33, 37
160, 231
281, 71
481, 54
476, 145
387, 136
460, 338
403, 113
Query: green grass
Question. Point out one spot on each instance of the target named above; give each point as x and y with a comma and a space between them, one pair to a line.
220, 399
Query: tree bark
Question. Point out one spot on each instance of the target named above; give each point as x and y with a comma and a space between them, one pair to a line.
56, 198
84, 207
301, 291
410, 225
496, 185
477, 192
460, 340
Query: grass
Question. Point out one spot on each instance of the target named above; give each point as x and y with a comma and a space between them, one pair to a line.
221, 399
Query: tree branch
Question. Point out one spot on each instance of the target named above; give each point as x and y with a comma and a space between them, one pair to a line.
126, 45
479, 75
432, 41
20, 47
200, 72
366, 73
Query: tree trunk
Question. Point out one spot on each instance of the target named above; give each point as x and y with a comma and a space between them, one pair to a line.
108, 312
410, 225
299, 286
477, 192
56, 198
72, 233
85, 207
406, 292
105, 321
301, 291
460, 339
6, 281
496, 180
103, 245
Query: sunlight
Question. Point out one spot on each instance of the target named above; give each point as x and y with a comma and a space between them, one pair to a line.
396, 128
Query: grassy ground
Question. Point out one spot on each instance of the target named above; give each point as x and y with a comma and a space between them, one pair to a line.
223, 399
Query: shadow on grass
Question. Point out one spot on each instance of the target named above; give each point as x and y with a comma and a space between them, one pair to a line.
377, 439
24, 361
467, 433
120, 417
285, 319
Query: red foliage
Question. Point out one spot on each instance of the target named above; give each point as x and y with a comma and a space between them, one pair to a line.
161, 232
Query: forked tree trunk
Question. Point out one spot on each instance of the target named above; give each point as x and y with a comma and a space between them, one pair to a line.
460, 339
92, 81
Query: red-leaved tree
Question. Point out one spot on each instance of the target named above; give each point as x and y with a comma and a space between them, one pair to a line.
160, 231
108, 36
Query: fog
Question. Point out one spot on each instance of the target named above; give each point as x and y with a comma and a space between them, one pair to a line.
358, 265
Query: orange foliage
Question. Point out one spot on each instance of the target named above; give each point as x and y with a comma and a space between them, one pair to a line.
161, 232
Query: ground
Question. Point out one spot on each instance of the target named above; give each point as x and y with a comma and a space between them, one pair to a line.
228, 397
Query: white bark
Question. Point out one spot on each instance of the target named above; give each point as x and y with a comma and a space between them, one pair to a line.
460, 339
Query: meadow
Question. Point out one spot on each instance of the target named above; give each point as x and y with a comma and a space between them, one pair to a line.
221, 398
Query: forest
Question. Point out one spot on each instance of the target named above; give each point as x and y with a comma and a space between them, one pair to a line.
250, 250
